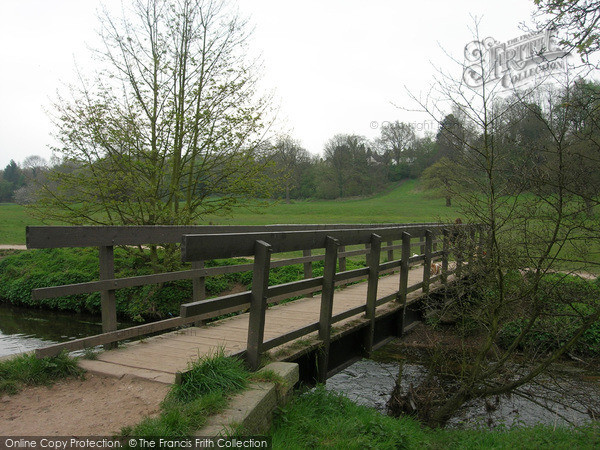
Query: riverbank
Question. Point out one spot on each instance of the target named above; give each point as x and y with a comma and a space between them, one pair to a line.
90, 407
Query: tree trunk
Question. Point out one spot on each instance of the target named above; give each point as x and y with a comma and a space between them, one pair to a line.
447, 410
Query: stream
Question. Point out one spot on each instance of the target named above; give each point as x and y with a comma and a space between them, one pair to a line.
24, 329
370, 383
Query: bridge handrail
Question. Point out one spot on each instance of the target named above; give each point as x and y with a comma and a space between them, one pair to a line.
200, 247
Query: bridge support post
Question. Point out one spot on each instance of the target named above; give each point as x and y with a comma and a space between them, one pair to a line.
427, 261
307, 268
445, 255
342, 260
258, 303
403, 287
390, 253
107, 298
471, 248
198, 287
459, 251
331, 251
373, 281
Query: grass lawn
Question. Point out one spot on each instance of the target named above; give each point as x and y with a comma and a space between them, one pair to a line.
402, 203
323, 419
13, 220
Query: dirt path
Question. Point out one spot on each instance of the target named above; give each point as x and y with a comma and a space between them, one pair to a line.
96, 406
13, 247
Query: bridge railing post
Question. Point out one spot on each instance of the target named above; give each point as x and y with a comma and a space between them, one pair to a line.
308, 268
471, 248
445, 255
427, 261
198, 286
329, 269
108, 301
459, 250
258, 303
403, 287
342, 260
373, 282
390, 252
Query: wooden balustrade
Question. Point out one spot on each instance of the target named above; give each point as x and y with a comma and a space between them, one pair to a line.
200, 244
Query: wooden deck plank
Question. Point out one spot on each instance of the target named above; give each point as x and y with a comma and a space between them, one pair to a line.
160, 357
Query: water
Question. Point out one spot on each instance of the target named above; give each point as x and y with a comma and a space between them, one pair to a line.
370, 383
24, 329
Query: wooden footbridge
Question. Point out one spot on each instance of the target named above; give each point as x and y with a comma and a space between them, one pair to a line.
342, 315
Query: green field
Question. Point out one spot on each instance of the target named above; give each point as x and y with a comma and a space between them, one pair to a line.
402, 203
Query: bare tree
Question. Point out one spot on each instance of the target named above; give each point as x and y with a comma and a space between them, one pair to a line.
532, 214
576, 20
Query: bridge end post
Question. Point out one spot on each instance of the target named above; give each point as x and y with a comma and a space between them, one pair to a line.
403, 287
108, 302
331, 251
427, 261
445, 255
258, 303
373, 282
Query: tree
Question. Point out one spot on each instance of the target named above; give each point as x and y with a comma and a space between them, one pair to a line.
396, 139
423, 155
576, 20
350, 168
169, 130
442, 179
12, 179
34, 170
291, 162
450, 138
534, 226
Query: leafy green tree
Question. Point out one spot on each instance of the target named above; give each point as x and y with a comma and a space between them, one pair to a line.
168, 130
12, 179
396, 139
450, 139
422, 155
350, 168
6, 191
442, 179
292, 164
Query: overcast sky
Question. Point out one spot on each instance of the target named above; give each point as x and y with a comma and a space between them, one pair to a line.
335, 66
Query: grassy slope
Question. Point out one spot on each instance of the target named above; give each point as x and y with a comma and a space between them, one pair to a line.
401, 204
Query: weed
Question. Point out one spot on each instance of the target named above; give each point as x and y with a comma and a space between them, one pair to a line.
30, 370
